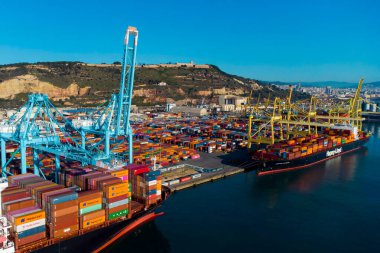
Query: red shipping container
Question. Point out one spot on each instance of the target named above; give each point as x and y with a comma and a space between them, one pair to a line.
64, 231
118, 198
184, 179
117, 209
141, 171
65, 221
14, 196
29, 239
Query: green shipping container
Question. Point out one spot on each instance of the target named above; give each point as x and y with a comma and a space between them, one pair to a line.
90, 209
118, 214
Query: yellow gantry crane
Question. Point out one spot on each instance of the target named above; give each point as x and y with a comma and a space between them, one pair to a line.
301, 118
247, 107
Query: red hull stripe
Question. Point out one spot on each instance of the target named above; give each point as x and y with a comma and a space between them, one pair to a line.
260, 173
129, 228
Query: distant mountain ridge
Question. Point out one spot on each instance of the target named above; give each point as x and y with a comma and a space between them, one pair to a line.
335, 84
83, 84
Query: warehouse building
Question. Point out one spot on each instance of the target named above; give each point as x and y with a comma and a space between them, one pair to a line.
189, 111
231, 103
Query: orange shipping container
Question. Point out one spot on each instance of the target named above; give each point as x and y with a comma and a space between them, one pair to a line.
93, 215
65, 231
29, 217
91, 202
93, 222
116, 190
119, 173
69, 210
64, 205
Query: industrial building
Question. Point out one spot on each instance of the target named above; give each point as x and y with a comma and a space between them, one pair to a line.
230, 103
189, 111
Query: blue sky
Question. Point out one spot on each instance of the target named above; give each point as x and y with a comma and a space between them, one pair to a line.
267, 40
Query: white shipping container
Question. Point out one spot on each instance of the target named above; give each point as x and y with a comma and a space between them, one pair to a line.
29, 225
152, 182
196, 176
117, 203
174, 182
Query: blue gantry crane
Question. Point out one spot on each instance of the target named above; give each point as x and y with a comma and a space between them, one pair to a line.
42, 128
112, 121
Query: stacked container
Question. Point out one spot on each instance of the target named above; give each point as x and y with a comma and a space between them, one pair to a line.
19, 206
116, 200
62, 212
90, 209
153, 186
29, 225
122, 173
92, 219
146, 186
89, 201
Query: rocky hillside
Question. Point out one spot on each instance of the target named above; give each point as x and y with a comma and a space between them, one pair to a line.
81, 84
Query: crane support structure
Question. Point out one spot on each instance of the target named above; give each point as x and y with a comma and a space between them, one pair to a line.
38, 128
112, 120
126, 90
301, 118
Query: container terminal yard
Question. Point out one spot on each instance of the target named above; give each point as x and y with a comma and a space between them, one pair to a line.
76, 175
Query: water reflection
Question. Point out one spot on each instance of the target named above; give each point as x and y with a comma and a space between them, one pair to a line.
147, 238
342, 168
372, 127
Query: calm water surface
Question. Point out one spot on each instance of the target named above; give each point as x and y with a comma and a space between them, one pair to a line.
331, 207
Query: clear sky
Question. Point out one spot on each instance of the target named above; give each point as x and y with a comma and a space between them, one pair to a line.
284, 40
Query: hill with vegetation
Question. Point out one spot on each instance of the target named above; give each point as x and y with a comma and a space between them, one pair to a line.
81, 84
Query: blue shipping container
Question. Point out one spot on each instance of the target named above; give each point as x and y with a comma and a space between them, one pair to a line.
64, 198
152, 192
31, 231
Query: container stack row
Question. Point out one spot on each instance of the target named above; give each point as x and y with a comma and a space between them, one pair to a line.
61, 207
307, 145
90, 209
27, 219
146, 185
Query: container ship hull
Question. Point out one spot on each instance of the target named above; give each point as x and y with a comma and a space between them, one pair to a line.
279, 166
92, 240
43, 216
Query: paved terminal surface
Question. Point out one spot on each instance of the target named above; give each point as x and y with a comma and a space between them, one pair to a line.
228, 163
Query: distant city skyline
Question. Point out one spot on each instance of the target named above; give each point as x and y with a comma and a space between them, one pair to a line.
266, 40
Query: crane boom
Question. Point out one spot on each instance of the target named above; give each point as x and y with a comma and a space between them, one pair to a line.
357, 96
126, 86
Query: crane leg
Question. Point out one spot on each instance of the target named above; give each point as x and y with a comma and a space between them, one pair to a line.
36, 163
107, 143
23, 157
130, 146
83, 134
3, 158
57, 168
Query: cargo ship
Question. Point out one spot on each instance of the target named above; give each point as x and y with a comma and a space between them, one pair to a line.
41, 216
302, 152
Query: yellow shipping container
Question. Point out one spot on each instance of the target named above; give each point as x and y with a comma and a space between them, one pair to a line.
119, 173
117, 194
29, 217
117, 190
94, 222
91, 202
